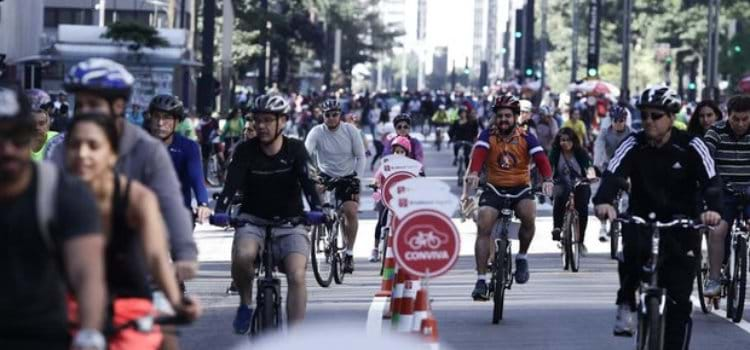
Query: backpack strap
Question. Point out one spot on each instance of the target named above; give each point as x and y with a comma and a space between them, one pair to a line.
46, 198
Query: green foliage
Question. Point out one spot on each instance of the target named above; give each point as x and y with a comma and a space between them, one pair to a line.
136, 35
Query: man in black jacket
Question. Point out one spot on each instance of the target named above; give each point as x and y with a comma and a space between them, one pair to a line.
666, 169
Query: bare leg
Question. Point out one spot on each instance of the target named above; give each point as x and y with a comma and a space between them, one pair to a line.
716, 249
485, 222
243, 269
526, 211
352, 223
296, 298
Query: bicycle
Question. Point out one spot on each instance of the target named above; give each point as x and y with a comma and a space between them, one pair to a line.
268, 314
615, 231
571, 235
328, 246
462, 160
652, 298
501, 268
736, 268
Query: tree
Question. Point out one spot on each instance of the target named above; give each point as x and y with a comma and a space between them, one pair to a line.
135, 35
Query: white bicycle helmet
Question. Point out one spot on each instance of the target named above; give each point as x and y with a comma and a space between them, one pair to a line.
660, 97
330, 105
274, 104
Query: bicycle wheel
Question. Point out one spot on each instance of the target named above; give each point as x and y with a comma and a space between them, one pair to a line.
654, 336
614, 239
213, 176
461, 171
575, 245
320, 256
699, 280
385, 231
268, 317
498, 279
737, 285
566, 242
338, 247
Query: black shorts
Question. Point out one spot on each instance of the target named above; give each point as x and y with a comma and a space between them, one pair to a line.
490, 199
345, 189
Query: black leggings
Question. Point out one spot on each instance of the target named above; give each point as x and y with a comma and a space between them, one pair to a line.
382, 210
582, 197
466, 149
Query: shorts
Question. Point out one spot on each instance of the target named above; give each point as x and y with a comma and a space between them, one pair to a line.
730, 212
490, 199
125, 310
286, 240
345, 190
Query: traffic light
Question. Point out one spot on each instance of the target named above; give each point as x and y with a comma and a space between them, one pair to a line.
467, 71
529, 72
691, 85
519, 35
737, 48
668, 60
593, 72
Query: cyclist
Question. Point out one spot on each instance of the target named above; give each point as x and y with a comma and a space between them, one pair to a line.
440, 119
136, 237
666, 168
165, 112
103, 86
606, 144
338, 152
546, 127
40, 107
271, 171
507, 152
464, 129
402, 124
233, 127
575, 123
728, 142
570, 162
208, 128
37, 268
525, 119
706, 114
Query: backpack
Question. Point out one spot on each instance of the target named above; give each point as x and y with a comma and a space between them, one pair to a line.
46, 197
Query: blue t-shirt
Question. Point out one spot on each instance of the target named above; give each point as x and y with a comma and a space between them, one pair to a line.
186, 158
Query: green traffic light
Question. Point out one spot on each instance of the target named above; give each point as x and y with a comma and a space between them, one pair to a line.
529, 72
669, 59
518, 34
737, 48
592, 72
691, 86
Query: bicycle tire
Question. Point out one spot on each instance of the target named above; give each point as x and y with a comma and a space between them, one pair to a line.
575, 246
320, 257
738, 282
699, 280
268, 313
461, 171
499, 276
655, 335
566, 240
337, 243
614, 239
385, 231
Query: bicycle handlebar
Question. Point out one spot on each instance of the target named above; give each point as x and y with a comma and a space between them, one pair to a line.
682, 222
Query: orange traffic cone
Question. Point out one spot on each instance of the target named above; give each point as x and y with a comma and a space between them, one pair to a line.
398, 293
389, 270
421, 309
429, 331
406, 313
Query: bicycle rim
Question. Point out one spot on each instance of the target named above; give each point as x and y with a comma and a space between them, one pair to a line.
498, 267
320, 257
338, 253
566, 242
739, 280
614, 239
575, 246
699, 280
268, 312
732, 275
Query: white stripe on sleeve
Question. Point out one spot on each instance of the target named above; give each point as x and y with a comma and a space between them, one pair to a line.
705, 156
620, 153
482, 144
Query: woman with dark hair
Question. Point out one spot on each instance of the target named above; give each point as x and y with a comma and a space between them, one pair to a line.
706, 113
382, 129
570, 162
136, 236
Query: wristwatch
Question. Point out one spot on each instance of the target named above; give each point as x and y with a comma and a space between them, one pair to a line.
203, 204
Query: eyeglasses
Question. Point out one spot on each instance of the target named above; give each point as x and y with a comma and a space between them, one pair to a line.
653, 115
333, 114
403, 127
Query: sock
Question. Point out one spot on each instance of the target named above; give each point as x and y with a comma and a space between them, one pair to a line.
481, 276
349, 252
521, 256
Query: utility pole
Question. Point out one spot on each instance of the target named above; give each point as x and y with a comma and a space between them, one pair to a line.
574, 45
544, 50
625, 72
712, 91
263, 60
206, 83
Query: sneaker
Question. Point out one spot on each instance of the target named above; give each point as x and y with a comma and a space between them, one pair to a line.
375, 255
232, 289
711, 288
556, 234
584, 250
481, 292
603, 234
624, 322
243, 319
348, 264
522, 271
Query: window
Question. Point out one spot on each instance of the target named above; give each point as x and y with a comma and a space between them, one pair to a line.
56, 16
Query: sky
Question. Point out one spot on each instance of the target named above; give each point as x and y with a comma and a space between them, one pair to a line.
450, 23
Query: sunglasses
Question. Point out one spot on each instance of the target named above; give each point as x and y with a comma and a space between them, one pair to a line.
653, 115
403, 127
333, 114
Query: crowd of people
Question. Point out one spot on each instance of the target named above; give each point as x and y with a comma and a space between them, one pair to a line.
78, 277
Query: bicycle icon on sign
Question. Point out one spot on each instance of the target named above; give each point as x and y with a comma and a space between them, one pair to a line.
426, 236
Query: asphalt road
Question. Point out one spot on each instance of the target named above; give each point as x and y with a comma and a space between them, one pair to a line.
556, 309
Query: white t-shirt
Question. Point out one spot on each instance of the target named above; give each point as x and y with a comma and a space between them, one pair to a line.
338, 152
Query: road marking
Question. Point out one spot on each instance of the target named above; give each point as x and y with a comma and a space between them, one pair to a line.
743, 325
441, 178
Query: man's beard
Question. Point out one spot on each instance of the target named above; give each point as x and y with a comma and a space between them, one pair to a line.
506, 131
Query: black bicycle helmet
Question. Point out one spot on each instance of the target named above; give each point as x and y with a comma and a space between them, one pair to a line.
618, 112
274, 104
660, 97
507, 101
330, 105
402, 117
168, 104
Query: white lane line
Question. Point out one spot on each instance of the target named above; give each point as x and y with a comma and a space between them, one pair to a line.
743, 325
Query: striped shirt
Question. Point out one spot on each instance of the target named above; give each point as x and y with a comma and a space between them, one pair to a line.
730, 152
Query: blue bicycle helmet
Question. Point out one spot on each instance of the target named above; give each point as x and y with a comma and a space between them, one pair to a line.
618, 112
100, 76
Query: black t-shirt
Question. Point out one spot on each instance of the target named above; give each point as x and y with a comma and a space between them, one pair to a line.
32, 299
271, 186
